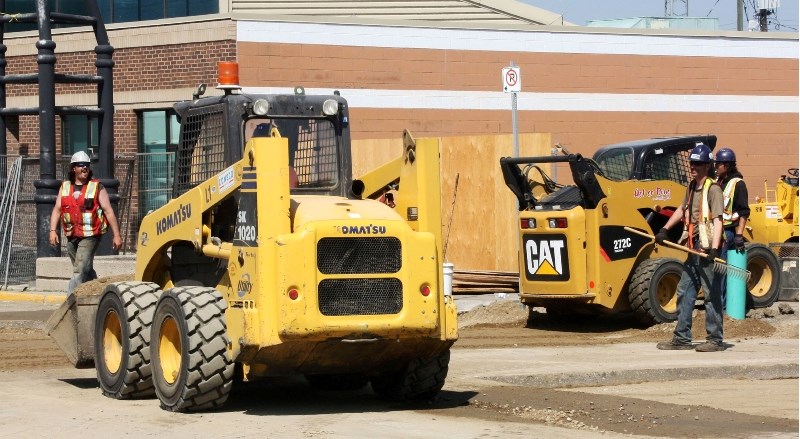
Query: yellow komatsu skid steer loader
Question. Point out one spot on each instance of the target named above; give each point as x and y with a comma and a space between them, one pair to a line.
272, 260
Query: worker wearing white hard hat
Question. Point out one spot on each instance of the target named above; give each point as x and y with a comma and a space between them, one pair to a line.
84, 211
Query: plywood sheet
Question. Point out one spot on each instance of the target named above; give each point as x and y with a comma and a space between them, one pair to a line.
479, 214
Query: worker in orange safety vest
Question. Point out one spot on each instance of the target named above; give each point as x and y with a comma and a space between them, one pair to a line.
84, 211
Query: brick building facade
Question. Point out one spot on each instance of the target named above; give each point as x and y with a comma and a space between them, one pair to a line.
588, 87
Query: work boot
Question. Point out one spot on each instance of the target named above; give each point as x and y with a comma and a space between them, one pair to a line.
709, 346
674, 345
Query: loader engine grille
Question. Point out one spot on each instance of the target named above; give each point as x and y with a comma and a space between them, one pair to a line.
563, 199
345, 297
359, 255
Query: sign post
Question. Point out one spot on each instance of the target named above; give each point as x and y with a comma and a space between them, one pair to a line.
512, 83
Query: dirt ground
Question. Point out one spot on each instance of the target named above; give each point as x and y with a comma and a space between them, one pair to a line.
504, 324
507, 324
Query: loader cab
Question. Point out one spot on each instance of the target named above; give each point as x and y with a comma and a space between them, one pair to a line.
663, 158
214, 131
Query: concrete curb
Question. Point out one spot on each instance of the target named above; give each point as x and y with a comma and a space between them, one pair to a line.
43, 298
636, 376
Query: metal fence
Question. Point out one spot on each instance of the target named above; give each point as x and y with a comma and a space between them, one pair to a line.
16, 183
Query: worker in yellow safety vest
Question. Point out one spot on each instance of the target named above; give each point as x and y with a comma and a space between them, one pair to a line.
701, 212
736, 207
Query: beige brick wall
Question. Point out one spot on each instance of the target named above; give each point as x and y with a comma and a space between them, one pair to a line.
158, 64
766, 143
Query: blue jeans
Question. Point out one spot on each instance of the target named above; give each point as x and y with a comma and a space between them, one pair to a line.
699, 272
81, 252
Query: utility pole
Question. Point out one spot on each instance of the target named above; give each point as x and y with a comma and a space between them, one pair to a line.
762, 19
739, 15
676, 8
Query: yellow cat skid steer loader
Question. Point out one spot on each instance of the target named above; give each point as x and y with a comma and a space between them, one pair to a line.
576, 256
269, 261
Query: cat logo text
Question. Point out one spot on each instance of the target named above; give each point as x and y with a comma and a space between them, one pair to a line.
546, 257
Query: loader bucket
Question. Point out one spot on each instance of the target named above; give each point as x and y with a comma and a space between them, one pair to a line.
72, 327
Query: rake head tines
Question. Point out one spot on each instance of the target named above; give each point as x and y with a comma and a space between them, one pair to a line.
736, 272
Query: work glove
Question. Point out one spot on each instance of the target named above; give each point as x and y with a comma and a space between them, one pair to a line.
661, 236
712, 254
738, 242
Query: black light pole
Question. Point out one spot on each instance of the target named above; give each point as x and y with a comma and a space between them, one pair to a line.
3, 48
105, 101
47, 186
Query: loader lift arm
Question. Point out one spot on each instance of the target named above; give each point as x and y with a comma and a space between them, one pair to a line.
584, 174
415, 177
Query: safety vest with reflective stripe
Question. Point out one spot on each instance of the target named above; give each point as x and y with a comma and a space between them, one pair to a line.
728, 215
82, 216
705, 228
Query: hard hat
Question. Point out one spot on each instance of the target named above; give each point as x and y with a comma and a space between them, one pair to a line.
80, 157
725, 155
701, 153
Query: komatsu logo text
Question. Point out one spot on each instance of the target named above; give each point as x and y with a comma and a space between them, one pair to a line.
546, 257
362, 230
181, 214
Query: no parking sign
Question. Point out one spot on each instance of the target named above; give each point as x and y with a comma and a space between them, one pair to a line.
512, 80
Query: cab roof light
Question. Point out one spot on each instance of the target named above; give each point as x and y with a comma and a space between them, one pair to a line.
228, 75
260, 107
330, 107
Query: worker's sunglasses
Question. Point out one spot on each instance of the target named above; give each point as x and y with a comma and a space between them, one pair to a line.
81, 165
698, 164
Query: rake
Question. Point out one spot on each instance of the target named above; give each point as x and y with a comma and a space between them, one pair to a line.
720, 266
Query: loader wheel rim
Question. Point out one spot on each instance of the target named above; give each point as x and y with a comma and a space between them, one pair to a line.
170, 350
760, 277
112, 342
666, 293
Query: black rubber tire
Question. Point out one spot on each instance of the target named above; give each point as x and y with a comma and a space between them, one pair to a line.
420, 379
337, 381
190, 345
122, 339
653, 293
764, 285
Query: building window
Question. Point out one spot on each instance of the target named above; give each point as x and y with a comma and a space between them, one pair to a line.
158, 139
79, 133
120, 11
113, 11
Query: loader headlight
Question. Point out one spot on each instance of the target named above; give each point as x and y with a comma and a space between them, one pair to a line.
330, 107
260, 107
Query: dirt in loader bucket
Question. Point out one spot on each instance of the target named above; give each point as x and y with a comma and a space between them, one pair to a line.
72, 325
95, 287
